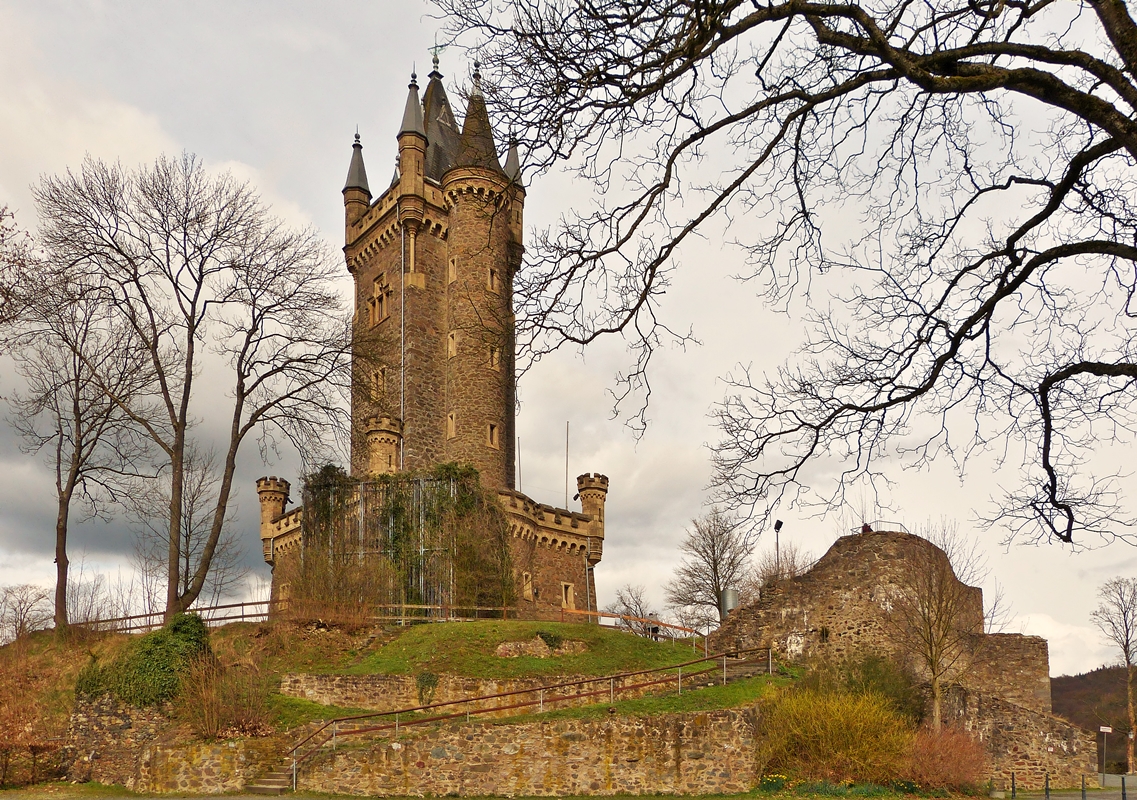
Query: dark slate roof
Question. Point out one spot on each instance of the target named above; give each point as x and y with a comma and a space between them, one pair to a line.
356, 172
476, 147
412, 114
441, 129
513, 164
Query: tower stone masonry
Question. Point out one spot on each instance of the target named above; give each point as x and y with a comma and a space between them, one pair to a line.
433, 258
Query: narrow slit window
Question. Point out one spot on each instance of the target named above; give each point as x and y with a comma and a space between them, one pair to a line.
451, 345
451, 425
568, 599
527, 585
495, 358
492, 280
493, 435
452, 271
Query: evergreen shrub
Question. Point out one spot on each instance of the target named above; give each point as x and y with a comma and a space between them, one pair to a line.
147, 671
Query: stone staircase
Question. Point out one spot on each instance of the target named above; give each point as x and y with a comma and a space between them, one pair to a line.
747, 668
276, 781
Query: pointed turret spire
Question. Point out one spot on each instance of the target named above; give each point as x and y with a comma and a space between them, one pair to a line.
441, 129
476, 147
356, 172
513, 163
412, 115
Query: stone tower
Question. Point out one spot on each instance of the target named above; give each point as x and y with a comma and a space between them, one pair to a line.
433, 258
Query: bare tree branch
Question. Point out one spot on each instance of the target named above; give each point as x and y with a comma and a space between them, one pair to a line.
963, 174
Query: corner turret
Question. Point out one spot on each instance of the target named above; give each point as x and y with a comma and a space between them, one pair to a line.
476, 147
356, 193
593, 491
411, 191
513, 164
273, 494
384, 441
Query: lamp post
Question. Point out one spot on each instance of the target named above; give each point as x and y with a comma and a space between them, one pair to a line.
777, 549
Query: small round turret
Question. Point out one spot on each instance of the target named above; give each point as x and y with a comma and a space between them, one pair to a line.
273, 494
384, 440
593, 491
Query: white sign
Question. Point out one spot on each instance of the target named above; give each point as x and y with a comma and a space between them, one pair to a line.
1105, 729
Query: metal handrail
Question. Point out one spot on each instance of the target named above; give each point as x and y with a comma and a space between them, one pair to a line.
541, 701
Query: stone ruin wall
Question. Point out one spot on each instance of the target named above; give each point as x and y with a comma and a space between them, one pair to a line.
700, 753
1014, 667
839, 608
1028, 743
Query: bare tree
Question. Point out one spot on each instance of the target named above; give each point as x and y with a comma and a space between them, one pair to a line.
202, 279
936, 617
631, 601
953, 181
23, 609
716, 552
1116, 618
149, 507
789, 562
15, 255
67, 347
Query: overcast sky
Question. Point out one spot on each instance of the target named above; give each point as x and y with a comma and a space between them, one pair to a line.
273, 92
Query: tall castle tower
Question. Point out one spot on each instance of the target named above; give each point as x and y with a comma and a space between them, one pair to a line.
433, 258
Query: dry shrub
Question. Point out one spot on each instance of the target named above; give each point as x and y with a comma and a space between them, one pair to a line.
949, 759
224, 702
834, 736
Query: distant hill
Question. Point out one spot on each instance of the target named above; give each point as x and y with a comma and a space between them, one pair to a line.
1091, 700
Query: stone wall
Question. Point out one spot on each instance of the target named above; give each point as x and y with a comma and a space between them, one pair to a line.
1014, 667
705, 753
391, 692
1029, 743
841, 607
201, 768
108, 738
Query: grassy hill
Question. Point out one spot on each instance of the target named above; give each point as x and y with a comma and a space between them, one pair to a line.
38, 674
467, 648
1091, 700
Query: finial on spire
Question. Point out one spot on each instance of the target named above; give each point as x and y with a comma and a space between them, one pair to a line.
477, 76
414, 79
356, 173
434, 52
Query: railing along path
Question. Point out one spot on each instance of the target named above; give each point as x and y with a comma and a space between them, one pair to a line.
331, 730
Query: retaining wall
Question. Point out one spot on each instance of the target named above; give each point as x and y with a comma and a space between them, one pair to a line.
704, 753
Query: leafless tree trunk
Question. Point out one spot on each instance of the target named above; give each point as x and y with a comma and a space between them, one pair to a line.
58, 341
716, 552
971, 277
937, 618
1116, 617
149, 505
202, 279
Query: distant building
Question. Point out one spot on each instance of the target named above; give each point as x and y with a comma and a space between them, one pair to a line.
433, 258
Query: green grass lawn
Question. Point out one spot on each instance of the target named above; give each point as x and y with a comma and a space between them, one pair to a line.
467, 648
706, 698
